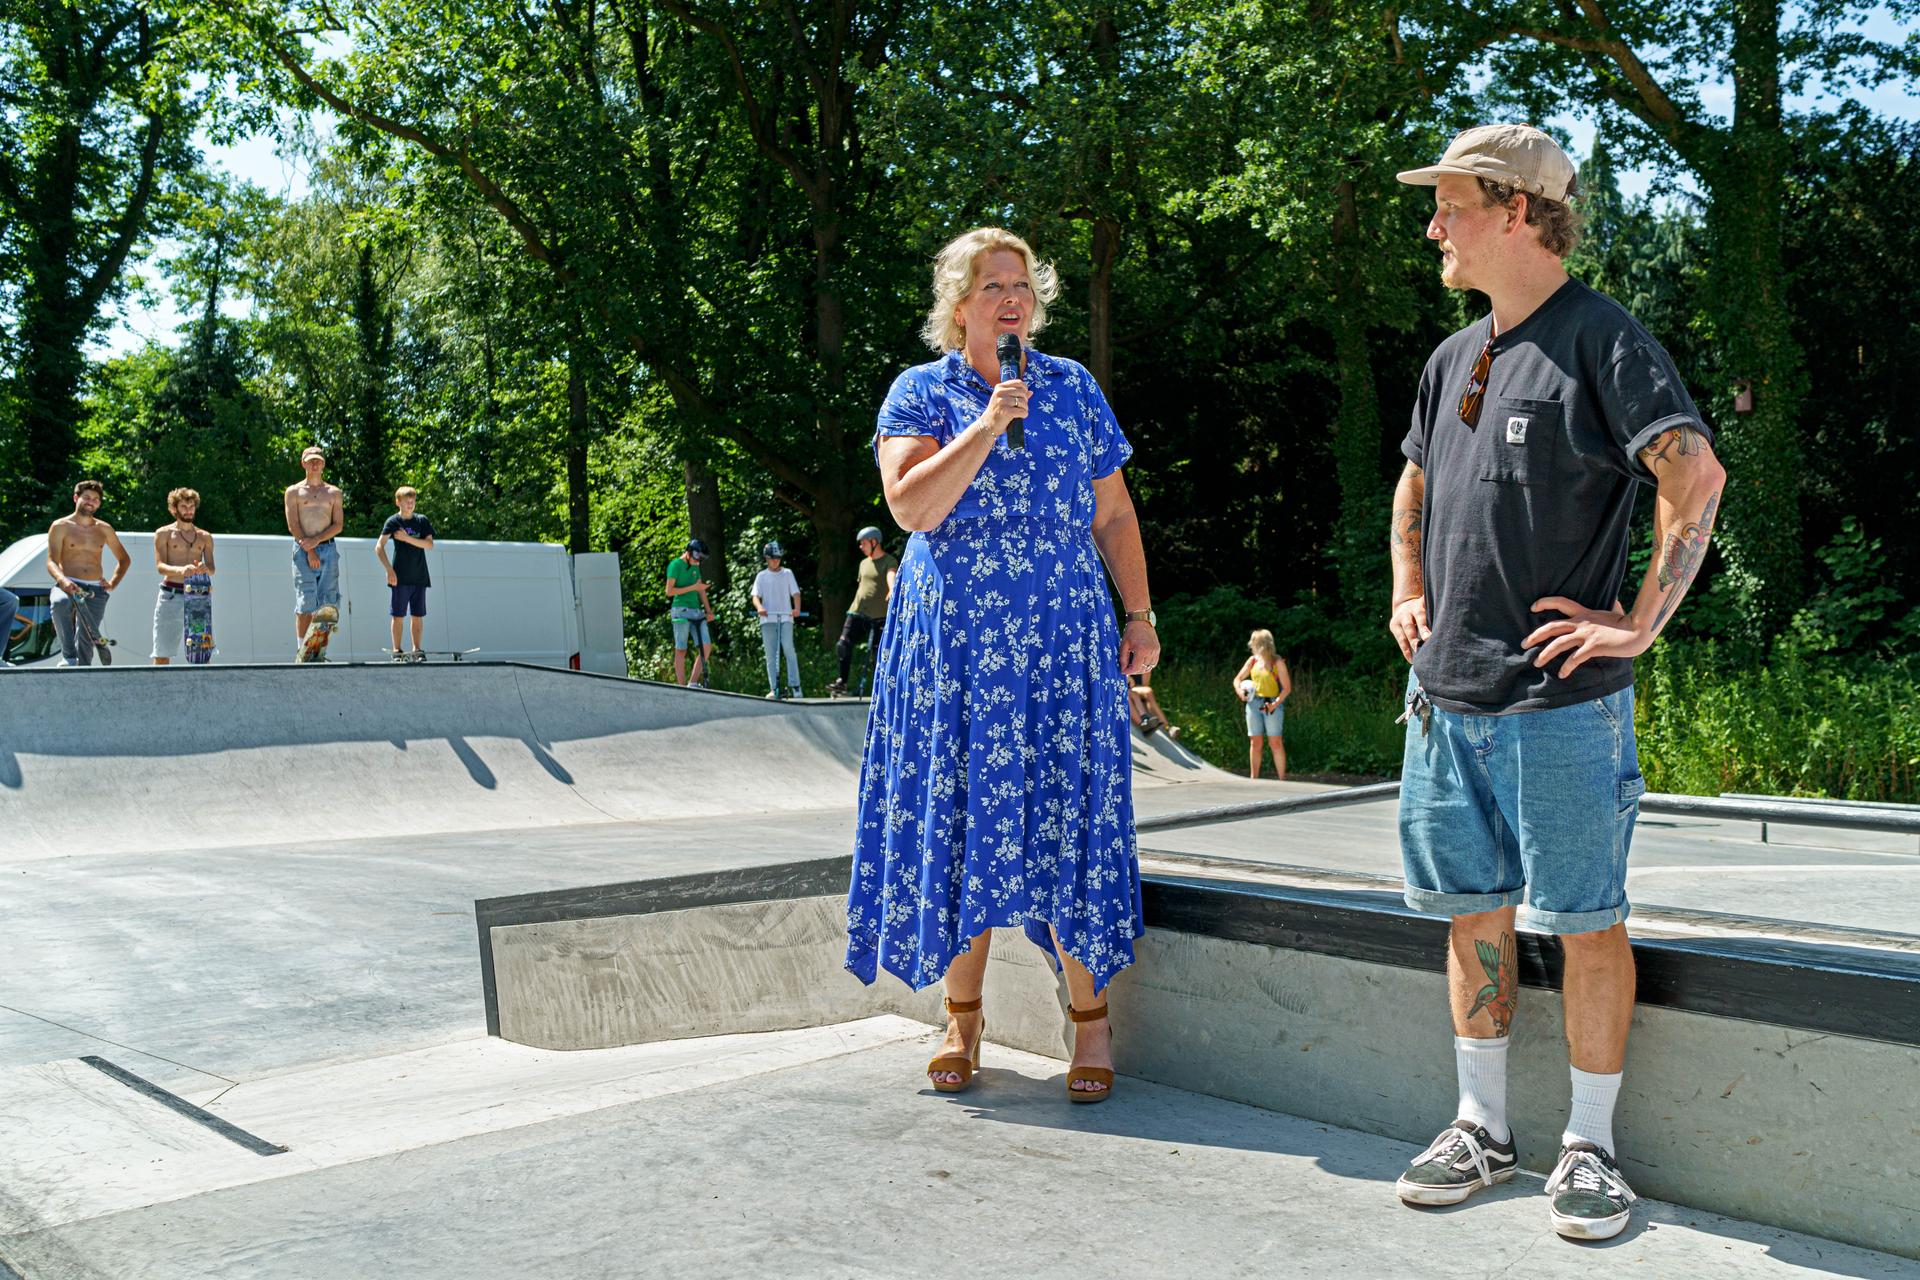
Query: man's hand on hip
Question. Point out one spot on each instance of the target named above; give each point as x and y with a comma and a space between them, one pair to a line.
1584, 633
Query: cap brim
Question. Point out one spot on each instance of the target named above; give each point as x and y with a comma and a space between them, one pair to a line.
1432, 174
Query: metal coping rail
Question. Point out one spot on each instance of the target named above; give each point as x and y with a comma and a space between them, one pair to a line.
1837, 814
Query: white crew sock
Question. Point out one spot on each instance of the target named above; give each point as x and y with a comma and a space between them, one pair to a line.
1593, 1099
1482, 1067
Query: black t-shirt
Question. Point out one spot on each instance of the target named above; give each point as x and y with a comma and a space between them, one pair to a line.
1538, 499
409, 562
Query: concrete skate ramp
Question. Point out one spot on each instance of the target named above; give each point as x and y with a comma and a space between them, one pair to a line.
148, 759
1760, 1081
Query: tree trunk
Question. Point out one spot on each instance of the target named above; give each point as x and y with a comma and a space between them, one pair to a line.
1106, 252
835, 521
579, 432
373, 329
1359, 547
51, 367
52, 330
832, 514
706, 519
1105, 249
1759, 532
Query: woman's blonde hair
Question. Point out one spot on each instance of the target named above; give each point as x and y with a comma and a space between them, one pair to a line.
953, 272
1261, 642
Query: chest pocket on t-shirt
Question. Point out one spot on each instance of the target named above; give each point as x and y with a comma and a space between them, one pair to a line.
1519, 440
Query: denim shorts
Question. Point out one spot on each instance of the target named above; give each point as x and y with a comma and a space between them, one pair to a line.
1534, 806
1265, 724
315, 587
691, 628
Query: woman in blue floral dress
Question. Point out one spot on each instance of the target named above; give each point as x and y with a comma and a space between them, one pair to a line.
996, 788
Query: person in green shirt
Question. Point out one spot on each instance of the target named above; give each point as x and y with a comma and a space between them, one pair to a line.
690, 616
867, 615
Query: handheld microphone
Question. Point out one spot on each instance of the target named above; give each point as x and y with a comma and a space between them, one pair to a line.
1007, 347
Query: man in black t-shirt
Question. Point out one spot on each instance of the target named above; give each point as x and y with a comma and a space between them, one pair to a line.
1532, 431
407, 577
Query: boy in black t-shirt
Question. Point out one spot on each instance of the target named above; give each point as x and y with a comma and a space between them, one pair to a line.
407, 577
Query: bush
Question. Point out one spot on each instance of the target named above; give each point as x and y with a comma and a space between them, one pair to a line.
1338, 721
1792, 726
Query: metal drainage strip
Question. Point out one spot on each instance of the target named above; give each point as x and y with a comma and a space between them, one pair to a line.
174, 1102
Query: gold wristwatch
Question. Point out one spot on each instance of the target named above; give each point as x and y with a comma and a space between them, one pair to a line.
1142, 615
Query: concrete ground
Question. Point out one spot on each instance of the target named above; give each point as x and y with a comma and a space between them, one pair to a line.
807, 1153
322, 991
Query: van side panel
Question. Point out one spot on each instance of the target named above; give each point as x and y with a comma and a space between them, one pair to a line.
513, 600
596, 584
510, 600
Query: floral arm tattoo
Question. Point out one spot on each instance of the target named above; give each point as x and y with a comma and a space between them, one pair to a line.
1681, 552
1680, 559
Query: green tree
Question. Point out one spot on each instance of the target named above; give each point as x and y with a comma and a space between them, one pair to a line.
690, 181
1335, 98
94, 131
1643, 66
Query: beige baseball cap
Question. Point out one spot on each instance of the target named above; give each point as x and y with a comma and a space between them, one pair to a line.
1517, 153
313, 451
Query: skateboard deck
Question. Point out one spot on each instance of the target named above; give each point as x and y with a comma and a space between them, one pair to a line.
102, 648
421, 655
199, 618
319, 631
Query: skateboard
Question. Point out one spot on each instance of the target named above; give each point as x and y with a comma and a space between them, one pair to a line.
421, 655
199, 618
102, 649
319, 631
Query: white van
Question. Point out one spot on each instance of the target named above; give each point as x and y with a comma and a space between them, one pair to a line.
517, 601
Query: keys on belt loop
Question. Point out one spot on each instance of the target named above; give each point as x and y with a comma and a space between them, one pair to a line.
1418, 704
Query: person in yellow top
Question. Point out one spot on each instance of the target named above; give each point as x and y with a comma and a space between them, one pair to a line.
1263, 684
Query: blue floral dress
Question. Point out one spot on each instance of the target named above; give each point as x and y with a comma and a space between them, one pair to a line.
997, 785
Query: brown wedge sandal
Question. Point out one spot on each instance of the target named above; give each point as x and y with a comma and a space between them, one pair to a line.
1088, 1075
961, 1065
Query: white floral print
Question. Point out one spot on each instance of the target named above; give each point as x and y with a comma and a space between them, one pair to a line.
996, 788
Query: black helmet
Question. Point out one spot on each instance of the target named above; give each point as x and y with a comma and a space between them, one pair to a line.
695, 547
772, 551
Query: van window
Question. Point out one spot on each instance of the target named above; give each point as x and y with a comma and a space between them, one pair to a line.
32, 637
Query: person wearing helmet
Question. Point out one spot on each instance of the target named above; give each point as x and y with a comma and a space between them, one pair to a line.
776, 598
867, 615
690, 617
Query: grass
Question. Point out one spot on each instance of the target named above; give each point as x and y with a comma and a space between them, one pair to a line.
1339, 724
1801, 724
1798, 725
740, 667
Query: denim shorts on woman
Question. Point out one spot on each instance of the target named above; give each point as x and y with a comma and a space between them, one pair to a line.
1532, 806
1265, 724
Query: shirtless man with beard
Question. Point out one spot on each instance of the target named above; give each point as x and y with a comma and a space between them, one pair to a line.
75, 545
181, 550
315, 517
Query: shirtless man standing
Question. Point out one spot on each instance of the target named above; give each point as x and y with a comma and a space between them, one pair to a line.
314, 518
74, 547
180, 551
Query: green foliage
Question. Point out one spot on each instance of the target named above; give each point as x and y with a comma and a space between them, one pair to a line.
94, 140
162, 419
1855, 601
1338, 724
1797, 724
